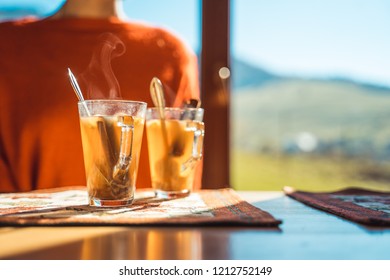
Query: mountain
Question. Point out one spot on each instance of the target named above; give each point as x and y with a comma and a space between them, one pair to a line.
278, 114
246, 75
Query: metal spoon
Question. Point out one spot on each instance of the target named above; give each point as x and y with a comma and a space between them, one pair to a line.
77, 90
157, 94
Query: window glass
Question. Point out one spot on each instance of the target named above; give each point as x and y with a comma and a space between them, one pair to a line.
12, 9
310, 94
181, 17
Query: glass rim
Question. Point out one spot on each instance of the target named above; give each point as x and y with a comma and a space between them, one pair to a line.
125, 101
175, 109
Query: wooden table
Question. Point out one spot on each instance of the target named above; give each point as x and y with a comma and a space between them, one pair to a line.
305, 234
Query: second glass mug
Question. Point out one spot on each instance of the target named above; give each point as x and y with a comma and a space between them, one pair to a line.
175, 146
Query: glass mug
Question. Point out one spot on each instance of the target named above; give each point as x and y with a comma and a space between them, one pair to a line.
175, 146
111, 133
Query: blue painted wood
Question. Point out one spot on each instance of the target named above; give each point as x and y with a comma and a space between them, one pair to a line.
308, 233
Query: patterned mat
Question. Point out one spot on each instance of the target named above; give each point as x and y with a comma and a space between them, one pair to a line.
68, 207
358, 205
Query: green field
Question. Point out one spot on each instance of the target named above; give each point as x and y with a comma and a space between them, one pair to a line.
251, 171
349, 122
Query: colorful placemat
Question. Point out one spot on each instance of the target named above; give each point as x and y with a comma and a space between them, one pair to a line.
355, 204
68, 207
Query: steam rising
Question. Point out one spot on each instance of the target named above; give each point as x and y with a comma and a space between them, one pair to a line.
99, 77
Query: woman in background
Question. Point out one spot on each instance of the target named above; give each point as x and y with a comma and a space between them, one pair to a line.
40, 142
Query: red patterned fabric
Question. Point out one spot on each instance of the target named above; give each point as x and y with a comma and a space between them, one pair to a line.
357, 205
68, 207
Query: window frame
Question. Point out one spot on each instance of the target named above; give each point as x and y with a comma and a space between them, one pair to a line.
215, 91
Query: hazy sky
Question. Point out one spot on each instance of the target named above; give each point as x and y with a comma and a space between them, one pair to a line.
300, 37
315, 37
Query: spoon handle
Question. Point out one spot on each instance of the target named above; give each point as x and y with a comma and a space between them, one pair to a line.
75, 85
77, 90
157, 94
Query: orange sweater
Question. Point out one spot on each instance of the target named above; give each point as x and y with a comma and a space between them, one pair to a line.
40, 142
